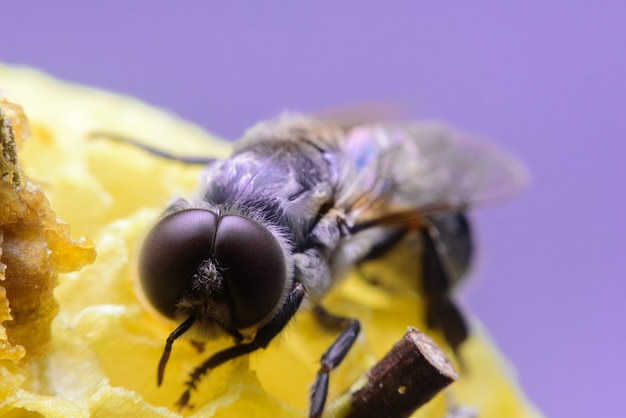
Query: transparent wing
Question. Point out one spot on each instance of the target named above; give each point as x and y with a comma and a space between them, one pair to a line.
397, 173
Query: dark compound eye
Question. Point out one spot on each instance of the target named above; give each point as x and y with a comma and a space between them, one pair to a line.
253, 266
171, 255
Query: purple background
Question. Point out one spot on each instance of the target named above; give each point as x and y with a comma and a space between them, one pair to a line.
543, 79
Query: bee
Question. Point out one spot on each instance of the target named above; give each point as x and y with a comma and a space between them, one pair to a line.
298, 203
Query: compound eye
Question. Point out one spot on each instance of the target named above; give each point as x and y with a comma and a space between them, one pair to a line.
171, 255
253, 266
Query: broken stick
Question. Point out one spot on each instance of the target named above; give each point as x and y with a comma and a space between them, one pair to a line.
407, 377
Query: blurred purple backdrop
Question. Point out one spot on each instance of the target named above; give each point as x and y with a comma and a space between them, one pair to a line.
543, 79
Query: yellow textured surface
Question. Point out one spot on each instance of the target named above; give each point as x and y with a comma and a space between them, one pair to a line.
98, 357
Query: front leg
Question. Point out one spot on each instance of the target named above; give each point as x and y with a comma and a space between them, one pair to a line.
332, 357
264, 335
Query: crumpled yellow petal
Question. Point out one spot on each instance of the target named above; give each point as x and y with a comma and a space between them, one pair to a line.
99, 355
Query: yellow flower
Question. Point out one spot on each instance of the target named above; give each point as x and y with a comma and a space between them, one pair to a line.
97, 354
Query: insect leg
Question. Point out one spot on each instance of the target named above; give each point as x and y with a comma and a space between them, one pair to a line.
264, 335
182, 328
186, 159
379, 249
445, 259
332, 357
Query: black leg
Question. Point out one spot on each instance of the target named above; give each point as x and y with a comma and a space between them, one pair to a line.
444, 314
332, 357
439, 276
182, 328
381, 248
264, 335
186, 159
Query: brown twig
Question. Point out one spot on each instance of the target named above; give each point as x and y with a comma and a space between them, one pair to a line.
407, 377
